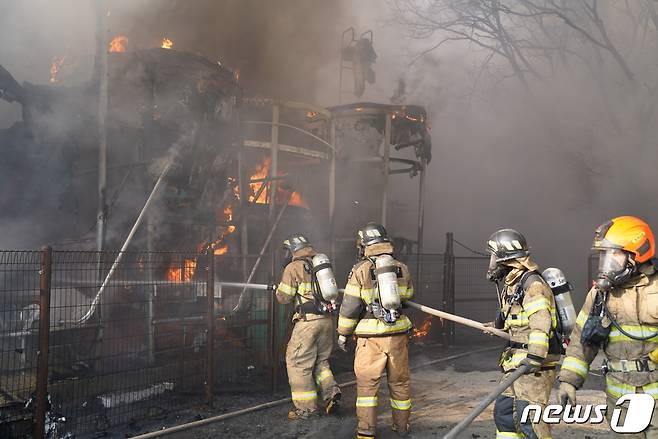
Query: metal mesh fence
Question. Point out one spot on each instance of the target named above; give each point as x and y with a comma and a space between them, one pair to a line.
475, 296
138, 346
134, 347
129, 350
19, 326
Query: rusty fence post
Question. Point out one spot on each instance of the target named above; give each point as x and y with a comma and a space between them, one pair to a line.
45, 277
210, 342
448, 288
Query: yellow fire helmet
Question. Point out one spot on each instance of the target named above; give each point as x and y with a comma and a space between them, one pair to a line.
627, 233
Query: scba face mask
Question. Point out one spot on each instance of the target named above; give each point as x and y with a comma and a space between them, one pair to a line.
615, 267
496, 270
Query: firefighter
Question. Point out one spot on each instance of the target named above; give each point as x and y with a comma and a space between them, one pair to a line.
620, 317
372, 311
312, 339
528, 314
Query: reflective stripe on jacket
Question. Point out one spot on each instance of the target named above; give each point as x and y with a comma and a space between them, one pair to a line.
530, 321
634, 306
295, 286
359, 292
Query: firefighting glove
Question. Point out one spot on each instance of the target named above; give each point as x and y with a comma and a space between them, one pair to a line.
487, 325
342, 343
566, 394
533, 366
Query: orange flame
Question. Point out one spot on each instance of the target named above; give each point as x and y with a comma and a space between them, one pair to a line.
167, 43
221, 248
55, 68
118, 44
262, 171
424, 328
177, 274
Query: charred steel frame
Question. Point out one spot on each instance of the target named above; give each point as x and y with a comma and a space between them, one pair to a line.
331, 115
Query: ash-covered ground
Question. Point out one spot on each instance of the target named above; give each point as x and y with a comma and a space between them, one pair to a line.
443, 394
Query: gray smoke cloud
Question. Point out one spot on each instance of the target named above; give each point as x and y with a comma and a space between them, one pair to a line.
554, 159
554, 162
279, 49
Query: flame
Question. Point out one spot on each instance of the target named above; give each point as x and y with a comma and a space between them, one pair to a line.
167, 43
177, 274
262, 171
403, 114
424, 328
118, 44
55, 67
220, 248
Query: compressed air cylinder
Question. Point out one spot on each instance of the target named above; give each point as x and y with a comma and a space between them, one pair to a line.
566, 310
562, 294
387, 281
325, 276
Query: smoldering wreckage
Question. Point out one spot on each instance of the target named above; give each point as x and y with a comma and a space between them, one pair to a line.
164, 148
191, 159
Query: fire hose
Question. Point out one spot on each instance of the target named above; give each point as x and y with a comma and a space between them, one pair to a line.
234, 414
500, 388
518, 373
94, 304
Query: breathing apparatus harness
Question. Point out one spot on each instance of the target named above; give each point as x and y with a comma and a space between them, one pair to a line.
318, 305
594, 332
555, 340
387, 316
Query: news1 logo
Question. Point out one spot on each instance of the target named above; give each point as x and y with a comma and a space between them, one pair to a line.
638, 413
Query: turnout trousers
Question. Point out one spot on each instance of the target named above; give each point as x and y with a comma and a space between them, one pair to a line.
307, 362
374, 356
508, 408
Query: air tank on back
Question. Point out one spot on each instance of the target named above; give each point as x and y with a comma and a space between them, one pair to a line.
325, 276
387, 279
556, 279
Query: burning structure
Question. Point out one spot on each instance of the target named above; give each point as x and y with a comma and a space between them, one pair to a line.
239, 174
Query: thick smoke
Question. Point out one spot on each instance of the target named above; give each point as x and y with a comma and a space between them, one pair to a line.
553, 158
279, 49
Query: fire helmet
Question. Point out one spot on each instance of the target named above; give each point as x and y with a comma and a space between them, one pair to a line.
504, 245
627, 233
623, 243
295, 243
507, 244
372, 233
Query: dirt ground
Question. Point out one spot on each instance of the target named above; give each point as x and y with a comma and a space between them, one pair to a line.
443, 393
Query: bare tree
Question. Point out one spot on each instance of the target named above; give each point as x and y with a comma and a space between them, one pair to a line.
614, 41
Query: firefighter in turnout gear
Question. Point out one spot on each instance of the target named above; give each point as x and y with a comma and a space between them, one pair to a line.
528, 314
311, 342
372, 311
619, 317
